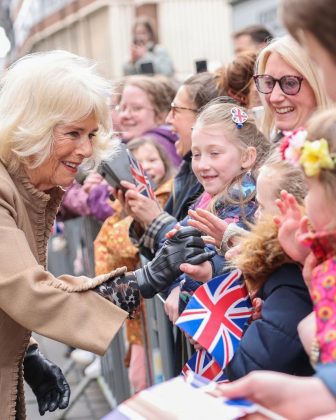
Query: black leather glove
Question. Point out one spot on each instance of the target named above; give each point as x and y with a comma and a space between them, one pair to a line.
186, 246
46, 380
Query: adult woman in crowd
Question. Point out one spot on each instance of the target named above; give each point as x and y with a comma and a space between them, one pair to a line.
290, 87
54, 117
146, 56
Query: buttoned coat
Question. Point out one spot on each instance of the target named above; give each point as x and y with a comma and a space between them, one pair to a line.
32, 299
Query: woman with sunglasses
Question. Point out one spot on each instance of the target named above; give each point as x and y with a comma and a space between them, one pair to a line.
290, 87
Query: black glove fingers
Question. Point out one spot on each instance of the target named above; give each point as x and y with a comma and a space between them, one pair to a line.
43, 403
195, 242
65, 396
185, 232
54, 400
201, 258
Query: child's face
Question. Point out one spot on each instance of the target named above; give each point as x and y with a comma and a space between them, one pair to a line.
320, 206
151, 161
216, 160
266, 193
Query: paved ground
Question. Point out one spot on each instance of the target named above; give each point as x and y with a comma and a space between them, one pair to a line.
91, 406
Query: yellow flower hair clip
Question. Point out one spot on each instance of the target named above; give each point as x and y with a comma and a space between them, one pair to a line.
315, 156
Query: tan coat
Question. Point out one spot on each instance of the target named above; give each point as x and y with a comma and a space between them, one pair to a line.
32, 299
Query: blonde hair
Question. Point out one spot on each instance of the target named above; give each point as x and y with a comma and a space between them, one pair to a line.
43, 90
288, 177
261, 253
291, 52
218, 113
323, 125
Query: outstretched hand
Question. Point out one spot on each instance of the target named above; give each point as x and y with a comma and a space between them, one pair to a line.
290, 396
291, 224
208, 223
143, 209
201, 272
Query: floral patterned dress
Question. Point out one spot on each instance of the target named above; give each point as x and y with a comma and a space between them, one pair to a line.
323, 292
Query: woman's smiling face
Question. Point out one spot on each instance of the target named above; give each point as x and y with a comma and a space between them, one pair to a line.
72, 144
289, 111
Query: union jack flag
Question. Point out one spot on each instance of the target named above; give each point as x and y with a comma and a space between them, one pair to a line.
140, 177
238, 116
206, 366
217, 314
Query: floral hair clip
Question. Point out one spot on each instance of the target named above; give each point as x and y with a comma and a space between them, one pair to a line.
291, 145
311, 155
238, 116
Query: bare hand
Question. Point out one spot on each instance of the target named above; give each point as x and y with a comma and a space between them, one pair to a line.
194, 343
293, 397
141, 208
307, 331
172, 304
232, 252
201, 272
138, 51
208, 223
257, 304
288, 223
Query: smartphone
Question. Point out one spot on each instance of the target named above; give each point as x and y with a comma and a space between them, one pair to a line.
201, 66
147, 68
117, 168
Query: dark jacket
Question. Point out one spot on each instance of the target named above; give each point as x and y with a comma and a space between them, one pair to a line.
272, 342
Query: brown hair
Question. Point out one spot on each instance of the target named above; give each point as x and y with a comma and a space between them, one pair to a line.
136, 143
148, 24
218, 113
202, 88
158, 93
316, 17
323, 125
236, 78
258, 33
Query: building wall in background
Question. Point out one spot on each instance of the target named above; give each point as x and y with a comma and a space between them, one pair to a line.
101, 29
262, 12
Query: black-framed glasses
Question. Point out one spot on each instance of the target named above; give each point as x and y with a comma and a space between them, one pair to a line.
174, 107
290, 85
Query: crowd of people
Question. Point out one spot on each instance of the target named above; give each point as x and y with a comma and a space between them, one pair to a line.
233, 190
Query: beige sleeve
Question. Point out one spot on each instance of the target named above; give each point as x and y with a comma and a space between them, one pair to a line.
63, 308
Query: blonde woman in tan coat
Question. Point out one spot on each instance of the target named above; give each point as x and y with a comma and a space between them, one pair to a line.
54, 117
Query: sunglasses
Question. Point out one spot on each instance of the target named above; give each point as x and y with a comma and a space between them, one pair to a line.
290, 85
